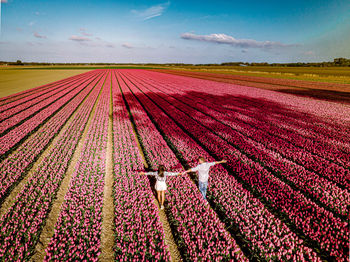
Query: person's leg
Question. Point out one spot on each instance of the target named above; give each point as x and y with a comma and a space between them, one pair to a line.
159, 196
205, 187
201, 188
163, 197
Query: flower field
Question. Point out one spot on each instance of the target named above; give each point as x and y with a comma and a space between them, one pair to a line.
283, 195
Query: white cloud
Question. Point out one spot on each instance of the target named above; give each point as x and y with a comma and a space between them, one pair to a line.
110, 45
31, 23
37, 13
153, 11
78, 38
127, 45
229, 40
37, 35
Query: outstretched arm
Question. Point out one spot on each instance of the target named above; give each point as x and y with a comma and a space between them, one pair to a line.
172, 173
148, 173
220, 162
187, 171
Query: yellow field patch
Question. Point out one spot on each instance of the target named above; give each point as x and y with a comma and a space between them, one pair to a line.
16, 80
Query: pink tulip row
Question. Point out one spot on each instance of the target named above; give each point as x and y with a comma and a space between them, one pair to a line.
241, 115
319, 224
15, 165
21, 95
21, 226
31, 111
138, 231
78, 228
324, 125
34, 98
199, 231
270, 238
316, 187
14, 136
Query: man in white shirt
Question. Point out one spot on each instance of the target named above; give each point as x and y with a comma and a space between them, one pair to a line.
203, 173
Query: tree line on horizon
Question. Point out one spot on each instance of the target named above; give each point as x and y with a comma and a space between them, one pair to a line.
336, 62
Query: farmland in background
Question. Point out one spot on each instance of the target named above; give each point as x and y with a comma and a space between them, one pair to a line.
320, 74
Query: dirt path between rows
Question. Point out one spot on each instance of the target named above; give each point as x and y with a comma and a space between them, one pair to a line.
168, 235
51, 220
107, 234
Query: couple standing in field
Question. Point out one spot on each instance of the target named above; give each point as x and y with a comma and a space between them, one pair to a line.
203, 175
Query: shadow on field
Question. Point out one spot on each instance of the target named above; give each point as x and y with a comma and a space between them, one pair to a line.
334, 92
328, 95
241, 111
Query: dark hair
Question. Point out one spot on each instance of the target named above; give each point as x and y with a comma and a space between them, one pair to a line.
201, 158
161, 170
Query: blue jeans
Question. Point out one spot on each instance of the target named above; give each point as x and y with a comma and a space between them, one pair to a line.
203, 188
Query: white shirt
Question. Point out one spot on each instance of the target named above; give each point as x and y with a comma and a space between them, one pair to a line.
159, 178
203, 171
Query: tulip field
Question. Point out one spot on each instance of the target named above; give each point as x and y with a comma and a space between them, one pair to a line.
283, 195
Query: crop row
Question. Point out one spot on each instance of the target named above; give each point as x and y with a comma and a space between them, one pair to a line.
16, 119
8, 100
138, 231
78, 228
21, 226
23, 104
18, 133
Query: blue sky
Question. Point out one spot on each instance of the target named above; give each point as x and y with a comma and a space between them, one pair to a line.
174, 31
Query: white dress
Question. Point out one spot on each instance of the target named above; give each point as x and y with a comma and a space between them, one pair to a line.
160, 184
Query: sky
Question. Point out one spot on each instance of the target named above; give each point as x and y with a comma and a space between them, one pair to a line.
174, 31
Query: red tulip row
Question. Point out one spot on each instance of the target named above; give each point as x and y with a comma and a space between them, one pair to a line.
21, 226
266, 235
198, 229
240, 115
15, 165
317, 223
138, 231
8, 100
78, 228
27, 127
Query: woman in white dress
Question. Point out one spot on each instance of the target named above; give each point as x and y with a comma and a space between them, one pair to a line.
161, 186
